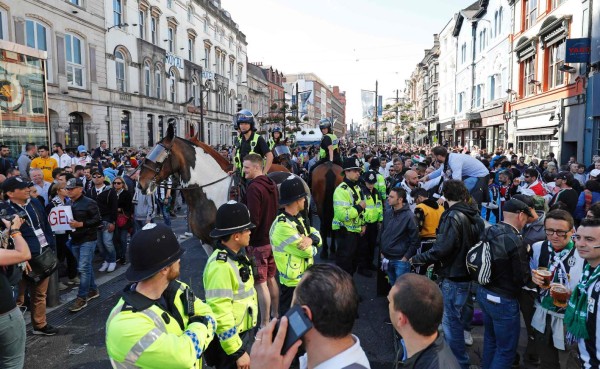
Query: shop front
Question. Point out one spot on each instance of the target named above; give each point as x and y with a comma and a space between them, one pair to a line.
23, 97
493, 122
470, 133
446, 136
537, 131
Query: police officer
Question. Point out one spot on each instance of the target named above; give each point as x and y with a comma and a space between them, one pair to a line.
294, 242
158, 322
380, 181
348, 209
275, 138
249, 141
229, 286
373, 216
328, 149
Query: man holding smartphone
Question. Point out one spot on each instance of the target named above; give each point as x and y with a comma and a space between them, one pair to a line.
329, 299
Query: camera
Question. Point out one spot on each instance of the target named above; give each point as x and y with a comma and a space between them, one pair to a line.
9, 217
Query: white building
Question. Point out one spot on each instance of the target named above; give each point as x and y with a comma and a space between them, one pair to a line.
447, 70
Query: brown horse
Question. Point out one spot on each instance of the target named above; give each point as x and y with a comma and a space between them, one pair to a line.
203, 175
325, 178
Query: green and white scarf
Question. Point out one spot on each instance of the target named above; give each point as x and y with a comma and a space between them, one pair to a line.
576, 314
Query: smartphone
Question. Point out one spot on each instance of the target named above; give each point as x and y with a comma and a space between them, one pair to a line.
298, 325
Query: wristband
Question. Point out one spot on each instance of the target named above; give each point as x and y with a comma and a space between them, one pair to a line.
14, 234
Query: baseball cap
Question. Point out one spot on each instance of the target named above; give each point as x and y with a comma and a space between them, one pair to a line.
74, 182
525, 199
564, 175
81, 148
516, 206
14, 183
595, 173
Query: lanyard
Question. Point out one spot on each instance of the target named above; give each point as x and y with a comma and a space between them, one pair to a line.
28, 216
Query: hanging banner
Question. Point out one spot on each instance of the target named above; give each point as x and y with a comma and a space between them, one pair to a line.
368, 103
304, 101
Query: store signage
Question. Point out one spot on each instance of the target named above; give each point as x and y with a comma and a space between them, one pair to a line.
174, 60
208, 75
578, 50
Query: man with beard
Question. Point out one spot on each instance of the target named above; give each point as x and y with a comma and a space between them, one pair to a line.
62, 158
158, 322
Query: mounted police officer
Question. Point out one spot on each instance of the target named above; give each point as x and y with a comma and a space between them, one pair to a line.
328, 149
249, 141
229, 286
275, 138
158, 322
294, 242
348, 217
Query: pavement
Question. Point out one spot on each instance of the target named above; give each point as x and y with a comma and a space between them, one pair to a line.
80, 342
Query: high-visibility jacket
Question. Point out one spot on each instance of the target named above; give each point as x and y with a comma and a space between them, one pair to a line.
285, 235
380, 186
374, 210
271, 143
141, 334
334, 141
232, 300
253, 143
347, 212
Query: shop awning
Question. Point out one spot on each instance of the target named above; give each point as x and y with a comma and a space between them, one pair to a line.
535, 132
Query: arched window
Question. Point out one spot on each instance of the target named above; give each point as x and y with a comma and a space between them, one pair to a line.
158, 81
500, 20
75, 56
172, 85
120, 70
74, 136
36, 35
147, 79
125, 118
195, 91
190, 13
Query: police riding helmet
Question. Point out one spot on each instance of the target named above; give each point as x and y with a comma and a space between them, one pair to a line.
151, 249
291, 190
232, 217
244, 116
276, 129
325, 124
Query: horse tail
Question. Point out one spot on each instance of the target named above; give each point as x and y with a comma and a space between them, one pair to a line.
330, 178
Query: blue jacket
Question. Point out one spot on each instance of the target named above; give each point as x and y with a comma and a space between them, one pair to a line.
580, 209
37, 219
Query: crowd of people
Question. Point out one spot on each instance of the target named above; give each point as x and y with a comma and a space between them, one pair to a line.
446, 231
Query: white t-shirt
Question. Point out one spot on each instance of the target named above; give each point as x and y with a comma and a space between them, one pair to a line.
63, 161
83, 161
353, 355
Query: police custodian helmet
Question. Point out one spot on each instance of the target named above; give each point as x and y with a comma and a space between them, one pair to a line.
351, 163
152, 248
232, 217
370, 177
291, 190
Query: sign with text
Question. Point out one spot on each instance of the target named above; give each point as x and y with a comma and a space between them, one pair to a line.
577, 50
59, 218
174, 60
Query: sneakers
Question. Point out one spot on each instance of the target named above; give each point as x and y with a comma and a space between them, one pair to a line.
93, 294
79, 304
111, 267
468, 338
74, 281
62, 286
103, 267
48, 330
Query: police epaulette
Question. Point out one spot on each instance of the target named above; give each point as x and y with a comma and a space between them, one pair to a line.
344, 186
221, 256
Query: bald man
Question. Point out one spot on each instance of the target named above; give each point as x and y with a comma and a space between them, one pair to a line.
409, 183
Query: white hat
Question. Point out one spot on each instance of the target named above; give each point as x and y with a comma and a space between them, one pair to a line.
595, 173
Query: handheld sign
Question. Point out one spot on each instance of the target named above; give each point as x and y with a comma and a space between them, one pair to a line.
59, 218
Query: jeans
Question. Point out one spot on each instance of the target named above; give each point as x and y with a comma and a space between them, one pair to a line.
105, 243
455, 295
396, 268
12, 339
164, 210
120, 241
84, 252
501, 320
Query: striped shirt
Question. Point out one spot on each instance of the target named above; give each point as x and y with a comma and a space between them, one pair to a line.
589, 350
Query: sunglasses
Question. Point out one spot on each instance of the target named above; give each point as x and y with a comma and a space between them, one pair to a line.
96, 176
119, 183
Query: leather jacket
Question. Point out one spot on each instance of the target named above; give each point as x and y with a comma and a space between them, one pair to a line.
85, 210
460, 228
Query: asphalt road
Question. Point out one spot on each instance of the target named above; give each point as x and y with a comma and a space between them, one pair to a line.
80, 343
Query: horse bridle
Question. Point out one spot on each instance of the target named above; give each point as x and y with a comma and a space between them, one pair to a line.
164, 154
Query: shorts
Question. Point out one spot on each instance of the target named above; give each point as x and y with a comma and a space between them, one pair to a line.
265, 263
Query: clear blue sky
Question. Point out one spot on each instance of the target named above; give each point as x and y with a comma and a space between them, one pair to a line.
349, 43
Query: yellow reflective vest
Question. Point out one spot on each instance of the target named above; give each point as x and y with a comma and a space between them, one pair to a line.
146, 336
253, 142
334, 142
233, 301
285, 234
347, 212
380, 186
374, 209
